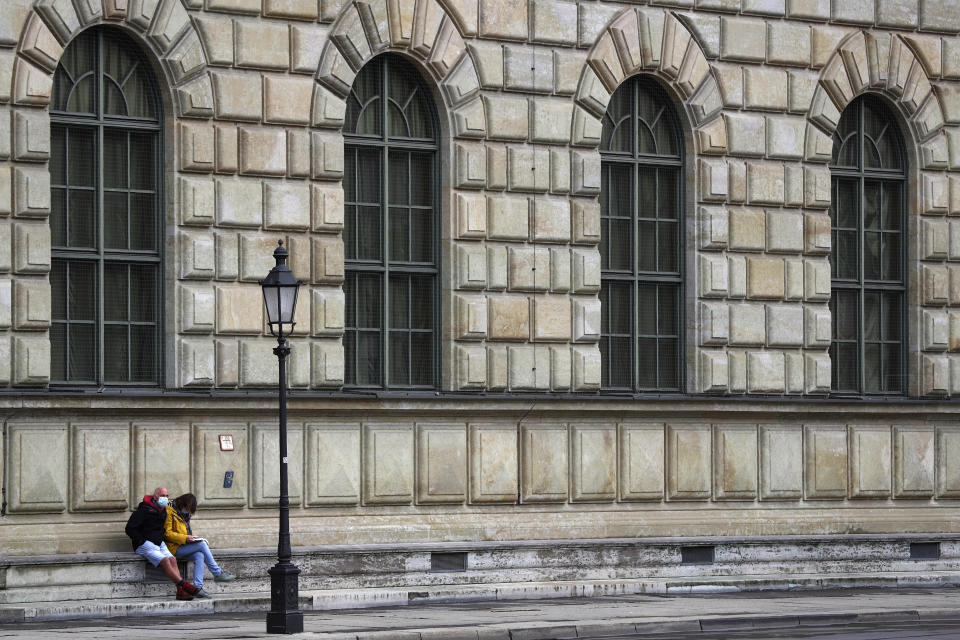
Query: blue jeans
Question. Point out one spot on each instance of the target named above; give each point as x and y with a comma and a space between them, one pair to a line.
199, 554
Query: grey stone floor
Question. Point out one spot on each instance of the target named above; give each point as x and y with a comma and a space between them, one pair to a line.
691, 616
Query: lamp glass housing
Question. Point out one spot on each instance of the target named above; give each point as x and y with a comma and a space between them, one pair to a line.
280, 289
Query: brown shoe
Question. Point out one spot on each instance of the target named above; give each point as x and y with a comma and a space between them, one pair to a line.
182, 594
189, 588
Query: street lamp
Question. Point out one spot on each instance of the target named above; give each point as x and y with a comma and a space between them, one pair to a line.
280, 297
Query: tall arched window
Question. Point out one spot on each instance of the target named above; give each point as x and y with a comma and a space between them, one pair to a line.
105, 221
868, 257
390, 229
641, 247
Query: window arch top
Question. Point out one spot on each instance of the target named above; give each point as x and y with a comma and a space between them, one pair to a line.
868, 138
103, 73
390, 100
640, 121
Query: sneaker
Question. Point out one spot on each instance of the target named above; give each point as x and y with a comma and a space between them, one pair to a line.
182, 594
224, 577
201, 593
189, 588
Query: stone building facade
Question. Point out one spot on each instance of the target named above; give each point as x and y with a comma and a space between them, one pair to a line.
516, 435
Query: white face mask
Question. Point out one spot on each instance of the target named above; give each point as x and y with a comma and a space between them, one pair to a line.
162, 501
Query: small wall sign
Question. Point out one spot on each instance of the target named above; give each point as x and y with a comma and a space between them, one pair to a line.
226, 442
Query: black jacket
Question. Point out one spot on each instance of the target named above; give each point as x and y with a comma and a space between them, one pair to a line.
146, 523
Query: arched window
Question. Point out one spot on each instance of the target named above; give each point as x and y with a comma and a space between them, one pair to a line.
868, 257
105, 221
390, 230
641, 247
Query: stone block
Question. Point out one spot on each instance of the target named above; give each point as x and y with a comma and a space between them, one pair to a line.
785, 137
714, 323
788, 44
561, 368
227, 257
785, 325
287, 205
554, 22
936, 375
817, 233
913, 461
210, 464
101, 467
197, 201
6, 191
507, 117
747, 229
197, 308
265, 465
586, 368
327, 312
689, 462
227, 363
493, 463
528, 169
714, 371
765, 183
825, 462
471, 267
38, 467
31, 136
239, 203
766, 372
441, 463
816, 280
817, 327
586, 270
550, 120
939, 16
593, 463
6, 319
641, 461
747, 326
496, 166
870, 458
737, 181
784, 232
792, 186
471, 166
742, 39
256, 256
936, 330
585, 173
781, 462
287, 99
551, 220
559, 269
737, 364
239, 310
471, 361
256, 368
327, 264
197, 362
714, 180
497, 269
765, 89
31, 248
263, 151
471, 317
388, 464
261, 44
501, 19
227, 149
509, 318
217, 37
552, 318
237, 96
948, 462
714, 276
793, 289
529, 268
31, 191
508, 218
935, 284
197, 255
327, 364
745, 134
586, 221
544, 463
765, 278
936, 194
735, 462
326, 203
737, 267
529, 368
560, 171
161, 457
817, 373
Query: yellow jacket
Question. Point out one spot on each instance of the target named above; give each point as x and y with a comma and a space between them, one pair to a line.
175, 530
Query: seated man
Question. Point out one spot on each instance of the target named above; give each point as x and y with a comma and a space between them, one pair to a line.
145, 528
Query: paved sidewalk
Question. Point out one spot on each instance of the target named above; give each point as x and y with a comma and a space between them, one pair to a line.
538, 619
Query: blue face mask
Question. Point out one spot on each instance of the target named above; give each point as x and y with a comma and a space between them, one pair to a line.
162, 501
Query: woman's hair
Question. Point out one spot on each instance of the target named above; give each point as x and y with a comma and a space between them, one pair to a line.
187, 501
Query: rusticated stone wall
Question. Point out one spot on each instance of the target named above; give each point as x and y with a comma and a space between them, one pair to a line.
254, 93
420, 471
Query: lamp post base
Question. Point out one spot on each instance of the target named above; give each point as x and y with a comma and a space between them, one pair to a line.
285, 615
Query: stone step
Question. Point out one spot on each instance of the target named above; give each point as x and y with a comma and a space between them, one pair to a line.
340, 599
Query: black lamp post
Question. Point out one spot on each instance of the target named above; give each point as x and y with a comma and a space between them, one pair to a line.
280, 297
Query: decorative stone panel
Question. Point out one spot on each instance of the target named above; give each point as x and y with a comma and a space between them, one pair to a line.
265, 464
544, 463
493, 463
735, 462
100, 463
689, 462
333, 464
825, 461
593, 465
388, 464
38, 467
212, 465
441, 463
161, 457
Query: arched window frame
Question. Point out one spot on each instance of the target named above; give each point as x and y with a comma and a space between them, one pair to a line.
859, 286
389, 66
69, 256
637, 278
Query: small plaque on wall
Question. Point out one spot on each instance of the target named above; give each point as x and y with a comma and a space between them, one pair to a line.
226, 442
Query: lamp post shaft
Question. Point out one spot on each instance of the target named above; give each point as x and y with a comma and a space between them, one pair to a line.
284, 615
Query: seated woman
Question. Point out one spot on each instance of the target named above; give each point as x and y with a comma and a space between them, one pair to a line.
185, 546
